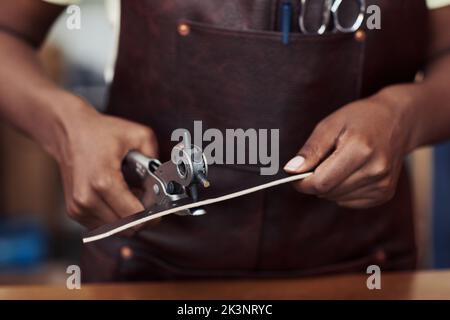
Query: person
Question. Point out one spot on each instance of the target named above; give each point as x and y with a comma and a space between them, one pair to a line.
348, 101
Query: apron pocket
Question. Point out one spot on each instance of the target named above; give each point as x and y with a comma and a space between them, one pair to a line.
248, 79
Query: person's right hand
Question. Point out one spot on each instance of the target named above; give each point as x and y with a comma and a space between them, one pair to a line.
90, 156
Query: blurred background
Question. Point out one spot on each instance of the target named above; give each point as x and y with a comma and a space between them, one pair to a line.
38, 241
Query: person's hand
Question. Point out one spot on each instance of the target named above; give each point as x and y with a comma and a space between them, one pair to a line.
357, 153
90, 157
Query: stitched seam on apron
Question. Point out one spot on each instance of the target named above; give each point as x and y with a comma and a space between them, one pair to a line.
361, 76
268, 35
273, 14
260, 249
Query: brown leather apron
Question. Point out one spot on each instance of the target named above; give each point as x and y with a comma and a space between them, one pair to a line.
232, 71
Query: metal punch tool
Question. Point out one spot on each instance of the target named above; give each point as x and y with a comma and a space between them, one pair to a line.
167, 184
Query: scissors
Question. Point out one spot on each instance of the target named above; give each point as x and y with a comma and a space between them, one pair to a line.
330, 8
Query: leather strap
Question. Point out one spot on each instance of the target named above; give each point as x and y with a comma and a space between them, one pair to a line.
148, 215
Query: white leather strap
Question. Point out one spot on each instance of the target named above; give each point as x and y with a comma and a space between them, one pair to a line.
194, 205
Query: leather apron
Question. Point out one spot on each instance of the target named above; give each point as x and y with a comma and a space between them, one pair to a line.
231, 70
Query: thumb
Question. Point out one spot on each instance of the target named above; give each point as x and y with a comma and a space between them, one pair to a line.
149, 148
148, 144
317, 147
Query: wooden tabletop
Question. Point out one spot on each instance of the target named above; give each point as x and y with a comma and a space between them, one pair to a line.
417, 285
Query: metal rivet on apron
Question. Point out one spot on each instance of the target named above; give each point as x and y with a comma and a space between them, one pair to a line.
183, 29
126, 252
380, 256
360, 35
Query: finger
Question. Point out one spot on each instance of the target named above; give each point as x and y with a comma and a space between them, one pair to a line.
92, 214
367, 192
89, 221
381, 191
359, 204
317, 147
339, 166
98, 216
103, 211
359, 179
145, 142
86, 206
149, 148
119, 197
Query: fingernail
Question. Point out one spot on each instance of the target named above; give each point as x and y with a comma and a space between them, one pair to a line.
294, 164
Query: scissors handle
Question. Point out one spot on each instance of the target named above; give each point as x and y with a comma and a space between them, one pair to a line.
330, 8
359, 19
326, 13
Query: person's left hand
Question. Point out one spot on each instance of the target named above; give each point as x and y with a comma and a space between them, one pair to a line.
357, 153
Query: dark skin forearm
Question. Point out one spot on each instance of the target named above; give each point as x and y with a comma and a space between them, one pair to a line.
435, 124
29, 100
427, 104
27, 96
89, 147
